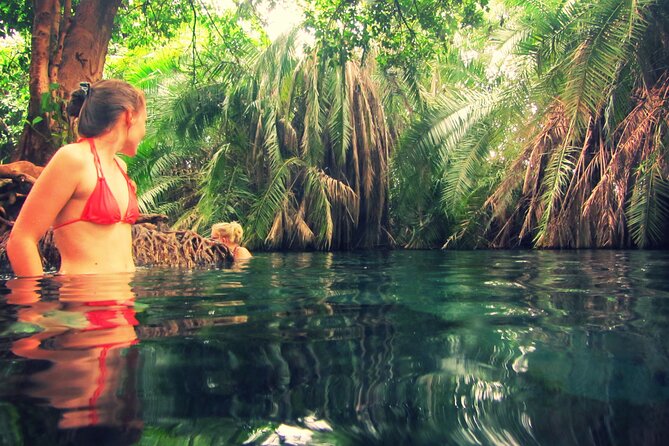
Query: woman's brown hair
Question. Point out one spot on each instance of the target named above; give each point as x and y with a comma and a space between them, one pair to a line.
99, 106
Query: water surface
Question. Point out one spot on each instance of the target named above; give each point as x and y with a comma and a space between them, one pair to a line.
388, 348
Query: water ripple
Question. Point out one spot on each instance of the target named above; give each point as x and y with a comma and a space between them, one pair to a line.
482, 347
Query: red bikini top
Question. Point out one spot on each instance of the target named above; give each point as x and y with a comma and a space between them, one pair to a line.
101, 207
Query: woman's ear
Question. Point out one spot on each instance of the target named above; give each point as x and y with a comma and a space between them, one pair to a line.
129, 117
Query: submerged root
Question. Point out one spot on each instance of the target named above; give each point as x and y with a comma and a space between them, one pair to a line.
153, 245
186, 326
185, 249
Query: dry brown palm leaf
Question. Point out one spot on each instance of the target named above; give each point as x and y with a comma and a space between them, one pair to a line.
584, 186
340, 193
280, 226
533, 212
357, 180
302, 233
635, 142
311, 124
288, 136
525, 177
504, 236
367, 169
564, 230
373, 143
258, 138
501, 198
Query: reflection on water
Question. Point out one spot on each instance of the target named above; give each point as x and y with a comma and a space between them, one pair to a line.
556, 348
83, 327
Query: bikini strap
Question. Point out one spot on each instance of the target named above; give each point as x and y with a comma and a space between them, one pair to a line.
121, 169
98, 166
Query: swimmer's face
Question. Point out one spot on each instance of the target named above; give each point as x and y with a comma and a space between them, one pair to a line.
136, 122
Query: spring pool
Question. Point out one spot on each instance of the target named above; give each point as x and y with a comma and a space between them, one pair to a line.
387, 348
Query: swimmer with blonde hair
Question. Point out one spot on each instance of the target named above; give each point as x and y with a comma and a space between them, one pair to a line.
231, 234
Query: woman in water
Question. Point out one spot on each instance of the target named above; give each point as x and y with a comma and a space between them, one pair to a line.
230, 234
84, 191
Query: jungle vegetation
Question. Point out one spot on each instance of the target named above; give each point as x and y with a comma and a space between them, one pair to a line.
417, 124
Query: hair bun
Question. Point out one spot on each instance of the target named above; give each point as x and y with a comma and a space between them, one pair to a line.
77, 99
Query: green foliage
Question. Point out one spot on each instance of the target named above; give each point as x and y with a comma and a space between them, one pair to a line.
450, 156
179, 144
569, 78
138, 22
209, 431
265, 137
14, 62
204, 432
519, 122
648, 210
151, 22
10, 431
173, 159
15, 16
409, 32
592, 59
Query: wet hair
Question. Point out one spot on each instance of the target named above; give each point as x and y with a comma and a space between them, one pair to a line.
100, 107
232, 230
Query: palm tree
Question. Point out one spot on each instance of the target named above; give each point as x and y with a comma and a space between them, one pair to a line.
588, 109
294, 147
322, 143
442, 167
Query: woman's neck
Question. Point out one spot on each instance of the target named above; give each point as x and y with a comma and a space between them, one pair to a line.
108, 145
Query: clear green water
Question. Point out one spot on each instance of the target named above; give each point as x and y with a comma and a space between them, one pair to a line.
398, 348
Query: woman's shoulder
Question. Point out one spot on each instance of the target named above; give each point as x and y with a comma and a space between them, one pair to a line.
242, 253
70, 158
77, 152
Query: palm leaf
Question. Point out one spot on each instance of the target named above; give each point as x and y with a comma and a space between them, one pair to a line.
466, 163
150, 200
265, 209
648, 208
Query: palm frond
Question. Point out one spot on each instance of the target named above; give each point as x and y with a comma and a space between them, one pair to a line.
266, 208
559, 169
648, 208
312, 148
339, 119
151, 199
466, 163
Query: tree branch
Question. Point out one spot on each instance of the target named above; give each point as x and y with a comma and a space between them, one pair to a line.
406, 24
62, 32
192, 5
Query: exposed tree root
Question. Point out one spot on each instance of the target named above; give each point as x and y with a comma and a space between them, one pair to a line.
152, 246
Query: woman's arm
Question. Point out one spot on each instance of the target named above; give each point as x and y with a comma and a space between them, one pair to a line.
50, 193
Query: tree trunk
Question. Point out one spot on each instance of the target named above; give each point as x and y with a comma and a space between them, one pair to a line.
85, 45
36, 137
66, 49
